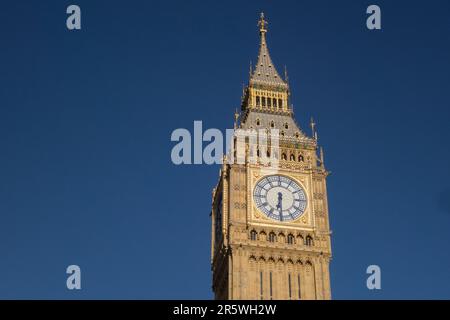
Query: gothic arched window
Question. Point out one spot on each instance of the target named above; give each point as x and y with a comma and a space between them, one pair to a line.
300, 158
257, 101
283, 156
272, 237
309, 241
292, 157
290, 239
253, 235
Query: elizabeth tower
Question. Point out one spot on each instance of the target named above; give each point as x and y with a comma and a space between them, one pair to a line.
270, 226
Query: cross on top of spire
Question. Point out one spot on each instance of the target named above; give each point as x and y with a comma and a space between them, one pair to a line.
262, 24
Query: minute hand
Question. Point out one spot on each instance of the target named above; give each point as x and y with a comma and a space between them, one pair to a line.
280, 205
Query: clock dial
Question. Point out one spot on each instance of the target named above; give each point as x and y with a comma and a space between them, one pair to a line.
280, 198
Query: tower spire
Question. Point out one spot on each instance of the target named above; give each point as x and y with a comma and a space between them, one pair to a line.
264, 72
313, 128
321, 158
286, 78
236, 117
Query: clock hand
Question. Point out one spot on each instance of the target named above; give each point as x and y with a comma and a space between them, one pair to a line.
280, 205
280, 199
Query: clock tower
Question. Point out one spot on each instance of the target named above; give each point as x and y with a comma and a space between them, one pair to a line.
270, 228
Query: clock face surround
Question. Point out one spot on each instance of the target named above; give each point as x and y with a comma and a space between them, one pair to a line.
280, 198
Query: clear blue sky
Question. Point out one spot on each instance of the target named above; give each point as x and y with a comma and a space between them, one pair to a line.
86, 117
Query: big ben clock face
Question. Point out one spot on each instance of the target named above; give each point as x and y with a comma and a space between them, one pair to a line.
280, 198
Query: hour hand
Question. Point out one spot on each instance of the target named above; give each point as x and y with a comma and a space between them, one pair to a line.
280, 201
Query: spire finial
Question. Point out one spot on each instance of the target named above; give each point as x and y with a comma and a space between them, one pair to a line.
262, 24
321, 158
286, 78
236, 116
313, 128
